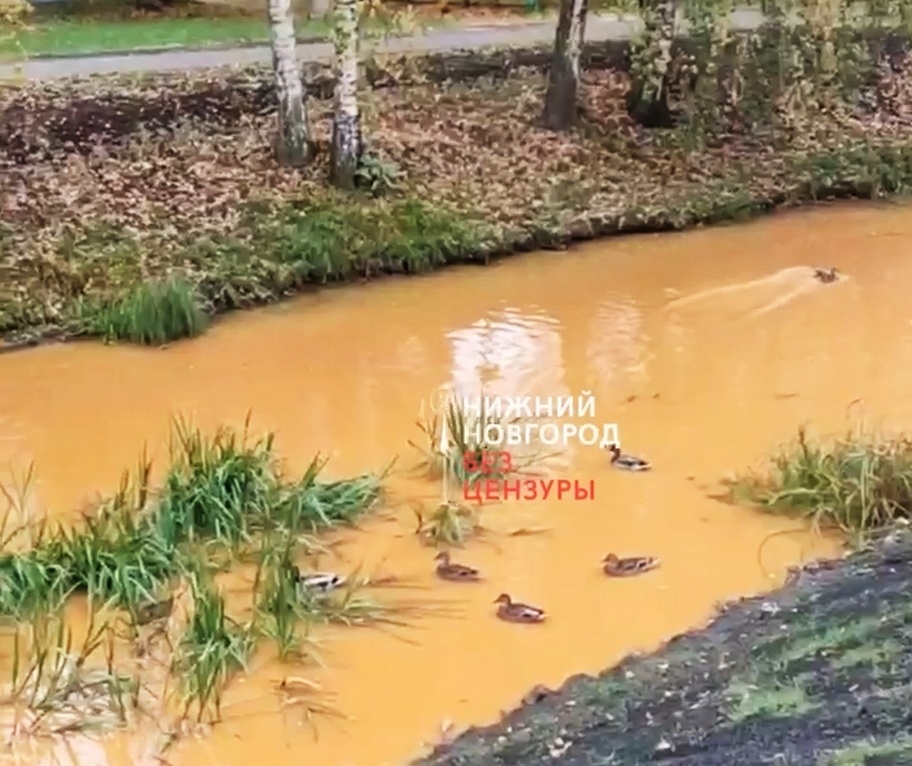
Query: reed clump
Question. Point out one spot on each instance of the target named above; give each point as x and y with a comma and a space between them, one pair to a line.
222, 492
456, 443
212, 649
856, 482
229, 488
58, 687
152, 313
449, 523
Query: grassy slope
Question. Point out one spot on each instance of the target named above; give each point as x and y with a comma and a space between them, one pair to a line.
171, 193
817, 674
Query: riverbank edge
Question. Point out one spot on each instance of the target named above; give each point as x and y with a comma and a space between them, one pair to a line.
859, 180
859, 168
546, 723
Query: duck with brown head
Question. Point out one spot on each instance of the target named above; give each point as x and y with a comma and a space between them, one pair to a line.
513, 611
615, 566
448, 570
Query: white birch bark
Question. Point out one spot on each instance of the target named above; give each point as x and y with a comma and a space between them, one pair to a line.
564, 77
346, 135
293, 140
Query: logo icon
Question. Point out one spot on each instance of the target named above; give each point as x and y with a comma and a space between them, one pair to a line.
441, 399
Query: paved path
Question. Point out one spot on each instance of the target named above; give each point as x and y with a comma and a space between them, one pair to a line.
597, 28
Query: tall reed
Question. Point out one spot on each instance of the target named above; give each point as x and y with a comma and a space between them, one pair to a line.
856, 482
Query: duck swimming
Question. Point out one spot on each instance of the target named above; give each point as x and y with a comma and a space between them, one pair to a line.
826, 275
627, 462
317, 582
446, 570
513, 611
614, 566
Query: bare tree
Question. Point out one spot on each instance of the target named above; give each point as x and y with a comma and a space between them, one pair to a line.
563, 80
346, 135
293, 145
647, 99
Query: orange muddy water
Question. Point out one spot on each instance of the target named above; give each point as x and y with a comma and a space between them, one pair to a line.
707, 349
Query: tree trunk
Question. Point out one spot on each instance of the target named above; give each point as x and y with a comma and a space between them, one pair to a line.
293, 146
346, 134
647, 99
563, 80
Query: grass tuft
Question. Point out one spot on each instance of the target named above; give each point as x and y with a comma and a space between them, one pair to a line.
228, 487
151, 314
213, 648
56, 689
449, 523
857, 482
222, 493
464, 435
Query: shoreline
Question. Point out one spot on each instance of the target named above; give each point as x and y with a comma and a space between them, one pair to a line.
814, 672
110, 174
597, 225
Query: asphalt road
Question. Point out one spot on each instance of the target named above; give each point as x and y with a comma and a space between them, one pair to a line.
531, 33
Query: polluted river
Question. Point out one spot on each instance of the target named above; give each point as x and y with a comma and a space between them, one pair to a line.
708, 350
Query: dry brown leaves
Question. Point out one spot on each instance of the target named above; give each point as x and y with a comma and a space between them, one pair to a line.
182, 161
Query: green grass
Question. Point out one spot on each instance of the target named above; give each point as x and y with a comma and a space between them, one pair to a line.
863, 752
222, 492
767, 701
63, 37
152, 313
47, 35
449, 523
335, 238
858, 482
56, 688
278, 249
213, 648
464, 435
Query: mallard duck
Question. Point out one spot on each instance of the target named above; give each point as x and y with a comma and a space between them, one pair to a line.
614, 566
512, 611
826, 275
627, 462
446, 570
320, 582
154, 610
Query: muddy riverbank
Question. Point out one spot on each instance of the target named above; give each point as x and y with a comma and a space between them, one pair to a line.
116, 183
815, 673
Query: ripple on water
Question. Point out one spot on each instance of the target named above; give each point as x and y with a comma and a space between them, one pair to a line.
703, 387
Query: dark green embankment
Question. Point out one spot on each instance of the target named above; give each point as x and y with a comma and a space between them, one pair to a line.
816, 674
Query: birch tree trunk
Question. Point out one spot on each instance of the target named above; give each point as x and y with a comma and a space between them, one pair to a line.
563, 80
345, 153
647, 99
293, 146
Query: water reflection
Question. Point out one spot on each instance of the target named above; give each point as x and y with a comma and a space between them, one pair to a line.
512, 353
508, 353
615, 345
